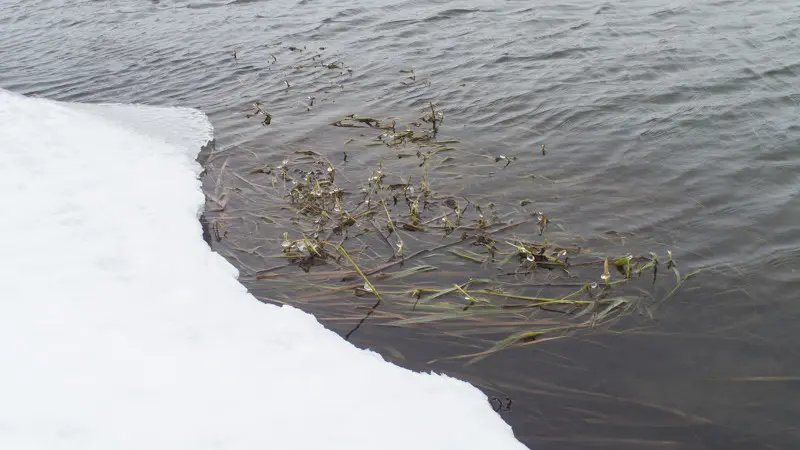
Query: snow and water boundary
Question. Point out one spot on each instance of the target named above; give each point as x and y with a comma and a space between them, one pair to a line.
120, 328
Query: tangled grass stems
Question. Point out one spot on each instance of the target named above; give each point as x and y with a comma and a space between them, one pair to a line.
499, 262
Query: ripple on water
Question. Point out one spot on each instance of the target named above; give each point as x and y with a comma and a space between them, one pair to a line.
676, 124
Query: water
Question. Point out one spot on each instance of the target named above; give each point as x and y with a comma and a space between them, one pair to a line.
672, 123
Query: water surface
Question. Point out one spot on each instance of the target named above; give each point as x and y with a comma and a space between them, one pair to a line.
672, 122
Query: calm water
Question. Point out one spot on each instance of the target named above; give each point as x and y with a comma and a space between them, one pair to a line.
672, 122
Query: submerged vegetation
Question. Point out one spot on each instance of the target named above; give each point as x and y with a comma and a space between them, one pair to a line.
386, 246
375, 231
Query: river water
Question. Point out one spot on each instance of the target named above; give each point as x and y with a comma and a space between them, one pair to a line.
673, 123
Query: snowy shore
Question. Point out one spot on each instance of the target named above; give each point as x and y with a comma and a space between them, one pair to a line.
120, 329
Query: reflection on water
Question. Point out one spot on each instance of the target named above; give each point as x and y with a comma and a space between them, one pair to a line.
672, 125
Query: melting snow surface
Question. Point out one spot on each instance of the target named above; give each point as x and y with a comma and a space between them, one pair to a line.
120, 329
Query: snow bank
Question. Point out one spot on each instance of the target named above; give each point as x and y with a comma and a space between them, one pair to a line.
120, 329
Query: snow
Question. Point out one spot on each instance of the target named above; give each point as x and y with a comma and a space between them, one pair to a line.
120, 329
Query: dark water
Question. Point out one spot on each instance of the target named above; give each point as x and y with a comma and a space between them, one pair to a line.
672, 122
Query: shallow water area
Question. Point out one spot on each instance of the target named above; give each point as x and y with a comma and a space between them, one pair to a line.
666, 127
151, 329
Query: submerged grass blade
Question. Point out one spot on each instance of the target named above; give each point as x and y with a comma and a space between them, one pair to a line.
470, 256
469, 296
344, 253
614, 304
433, 318
476, 357
408, 272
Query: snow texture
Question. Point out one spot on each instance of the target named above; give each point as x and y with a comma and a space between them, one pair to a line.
120, 329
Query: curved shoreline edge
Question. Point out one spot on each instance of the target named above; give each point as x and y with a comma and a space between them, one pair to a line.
120, 328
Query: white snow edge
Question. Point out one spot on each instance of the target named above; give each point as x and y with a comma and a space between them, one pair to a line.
121, 329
